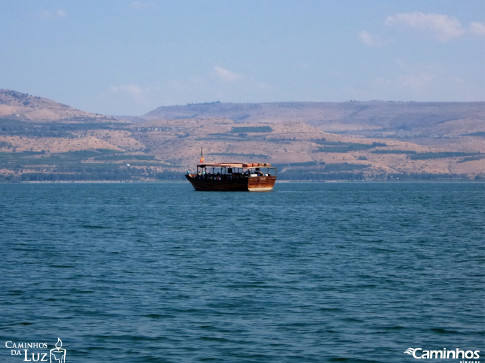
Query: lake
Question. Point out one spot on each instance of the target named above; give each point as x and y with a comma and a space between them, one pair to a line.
310, 272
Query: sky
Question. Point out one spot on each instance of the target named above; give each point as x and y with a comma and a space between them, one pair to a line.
125, 57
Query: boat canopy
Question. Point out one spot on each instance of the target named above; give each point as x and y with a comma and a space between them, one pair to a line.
235, 165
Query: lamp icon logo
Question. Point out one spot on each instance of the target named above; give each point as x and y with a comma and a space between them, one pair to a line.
58, 354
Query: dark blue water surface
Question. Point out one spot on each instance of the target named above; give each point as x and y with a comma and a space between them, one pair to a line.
306, 273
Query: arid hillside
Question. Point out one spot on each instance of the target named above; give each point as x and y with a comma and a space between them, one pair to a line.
369, 140
402, 120
43, 140
21, 106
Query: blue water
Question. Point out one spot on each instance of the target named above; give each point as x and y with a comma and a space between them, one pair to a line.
306, 273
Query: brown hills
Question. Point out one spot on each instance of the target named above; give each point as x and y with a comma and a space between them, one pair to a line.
43, 140
22, 106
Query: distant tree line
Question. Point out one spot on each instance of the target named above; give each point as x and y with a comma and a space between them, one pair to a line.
52, 129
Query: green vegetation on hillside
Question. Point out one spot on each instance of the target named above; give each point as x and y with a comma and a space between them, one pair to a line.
161, 145
439, 155
101, 164
343, 147
243, 129
53, 129
241, 155
379, 151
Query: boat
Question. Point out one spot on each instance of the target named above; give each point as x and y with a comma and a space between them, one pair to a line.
252, 177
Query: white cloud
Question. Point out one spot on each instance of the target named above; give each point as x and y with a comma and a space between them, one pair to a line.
366, 38
52, 14
137, 93
418, 81
240, 81
477, 29
226, 75
422, 82
218, 83
371, 40
443, 27
417, 77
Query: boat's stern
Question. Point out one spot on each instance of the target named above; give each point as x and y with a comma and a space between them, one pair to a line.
261, 183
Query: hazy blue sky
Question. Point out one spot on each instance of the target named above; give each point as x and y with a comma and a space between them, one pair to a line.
128, 57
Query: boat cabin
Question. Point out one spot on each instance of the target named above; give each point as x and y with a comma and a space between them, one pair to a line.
234, 170
233, 177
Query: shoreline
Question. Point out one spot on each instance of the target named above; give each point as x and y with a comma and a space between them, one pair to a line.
284, 181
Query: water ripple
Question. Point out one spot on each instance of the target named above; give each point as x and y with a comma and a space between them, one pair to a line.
307, 273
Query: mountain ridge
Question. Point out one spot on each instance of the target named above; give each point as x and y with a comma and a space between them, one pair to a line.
374, 140
22, 106
331, 116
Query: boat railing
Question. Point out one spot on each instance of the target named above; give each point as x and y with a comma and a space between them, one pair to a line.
231, 173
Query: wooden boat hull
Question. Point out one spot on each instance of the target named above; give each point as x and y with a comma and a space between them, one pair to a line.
252, 184
261, 183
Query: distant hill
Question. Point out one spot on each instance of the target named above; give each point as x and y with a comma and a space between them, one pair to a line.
374, 118
42, 140
23, 106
